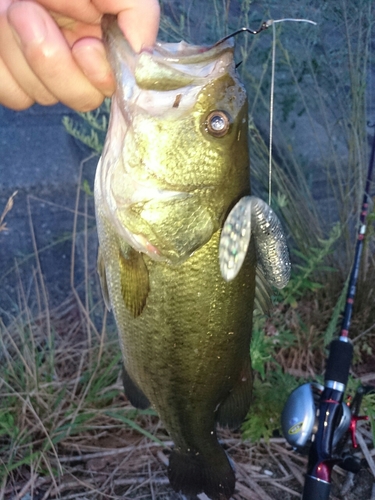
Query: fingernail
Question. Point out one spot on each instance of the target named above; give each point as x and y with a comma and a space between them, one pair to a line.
28, 31
92, 61
149, 50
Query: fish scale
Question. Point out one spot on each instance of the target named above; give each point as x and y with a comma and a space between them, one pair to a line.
162, 194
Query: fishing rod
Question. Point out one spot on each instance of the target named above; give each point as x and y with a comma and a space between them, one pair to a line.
315, 417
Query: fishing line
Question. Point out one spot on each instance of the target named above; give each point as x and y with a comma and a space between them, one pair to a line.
252, 215
272, 22
265, 25
272, 94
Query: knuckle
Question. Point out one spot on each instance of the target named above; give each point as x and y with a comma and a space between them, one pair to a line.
89, 103
16, 100
45, 99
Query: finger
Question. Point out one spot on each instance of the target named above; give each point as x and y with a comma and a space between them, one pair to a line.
74, 10
90, 55
138, 19
19, 78
74, 30
11, 94
49, 57
18, 67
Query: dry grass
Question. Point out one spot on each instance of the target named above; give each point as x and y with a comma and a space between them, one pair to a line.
7, 208
67, 431
74, 435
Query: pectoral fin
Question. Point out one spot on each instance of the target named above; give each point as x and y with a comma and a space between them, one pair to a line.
234, 408
134, 280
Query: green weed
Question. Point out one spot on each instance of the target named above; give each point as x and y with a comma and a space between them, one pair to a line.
92, 127
290, 347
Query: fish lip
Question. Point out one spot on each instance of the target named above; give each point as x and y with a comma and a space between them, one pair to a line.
174, 52
184, 53
184, 64
199, 62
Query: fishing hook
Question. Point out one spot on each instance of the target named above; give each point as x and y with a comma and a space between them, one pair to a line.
263, 27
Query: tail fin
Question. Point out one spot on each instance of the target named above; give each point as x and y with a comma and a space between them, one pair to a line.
192, 473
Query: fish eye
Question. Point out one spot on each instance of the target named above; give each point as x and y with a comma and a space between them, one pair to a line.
217, 123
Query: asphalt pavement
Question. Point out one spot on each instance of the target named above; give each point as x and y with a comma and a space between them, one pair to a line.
42, 162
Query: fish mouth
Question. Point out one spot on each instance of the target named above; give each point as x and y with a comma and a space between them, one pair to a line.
168, 66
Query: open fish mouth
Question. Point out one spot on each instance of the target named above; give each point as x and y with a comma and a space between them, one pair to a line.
193, 61
169, 67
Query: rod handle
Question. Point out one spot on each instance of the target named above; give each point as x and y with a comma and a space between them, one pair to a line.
315, 489
339, 361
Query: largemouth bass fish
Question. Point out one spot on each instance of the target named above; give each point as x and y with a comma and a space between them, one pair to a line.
175, 162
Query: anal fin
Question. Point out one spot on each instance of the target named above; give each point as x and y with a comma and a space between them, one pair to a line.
133, 392
235, 407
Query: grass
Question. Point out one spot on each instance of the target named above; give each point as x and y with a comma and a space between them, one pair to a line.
66, 429
8, 207
60, 386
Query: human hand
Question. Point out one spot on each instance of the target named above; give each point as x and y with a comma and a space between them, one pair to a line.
50, 50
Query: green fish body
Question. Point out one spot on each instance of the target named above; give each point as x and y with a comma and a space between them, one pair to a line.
174, 164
